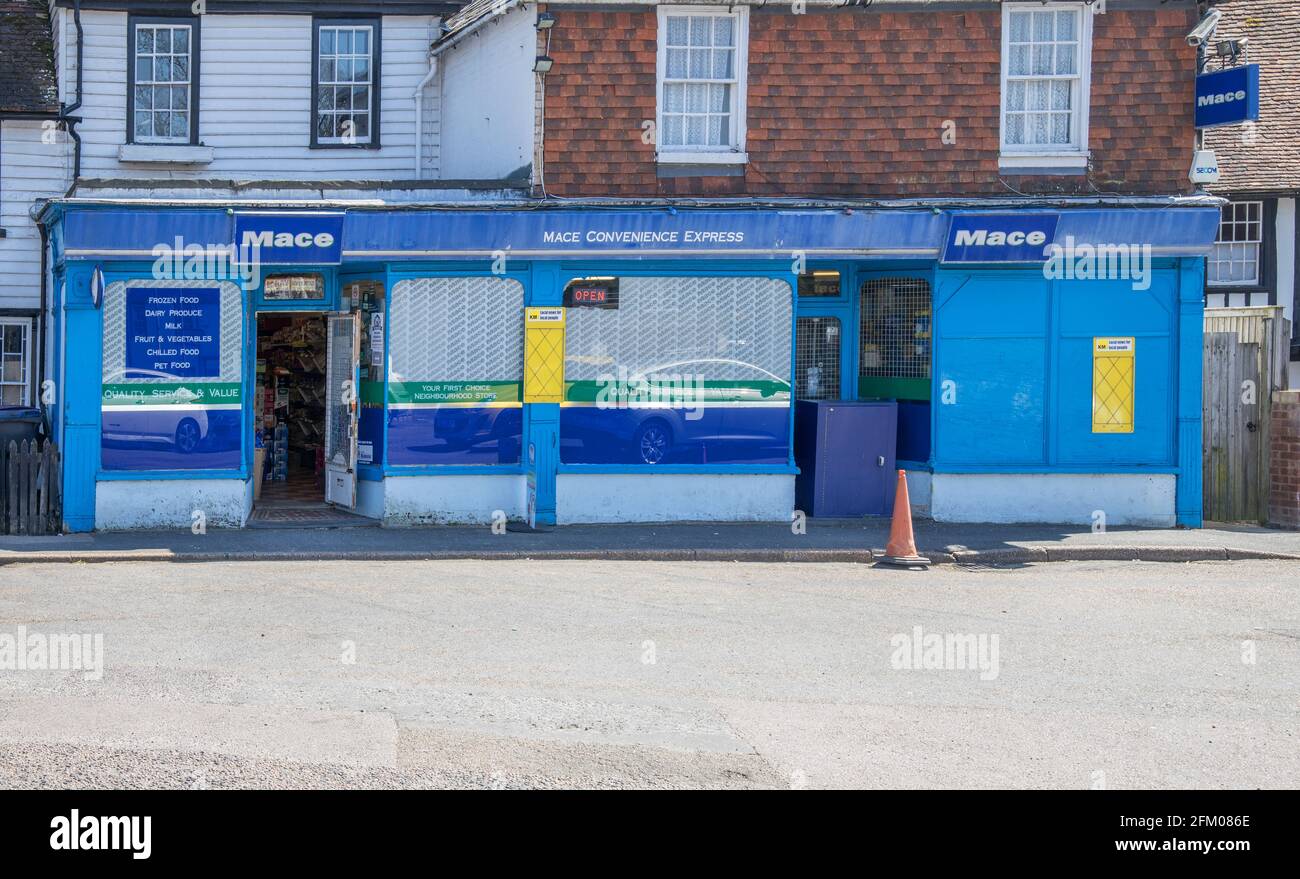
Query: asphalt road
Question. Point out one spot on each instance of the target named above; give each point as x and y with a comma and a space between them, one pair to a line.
619, 674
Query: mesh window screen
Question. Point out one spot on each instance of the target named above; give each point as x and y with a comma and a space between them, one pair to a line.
895, 328
817, 358
457, 329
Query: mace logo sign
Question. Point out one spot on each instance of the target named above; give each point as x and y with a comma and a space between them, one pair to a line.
999, 238
294, 238
1227, 97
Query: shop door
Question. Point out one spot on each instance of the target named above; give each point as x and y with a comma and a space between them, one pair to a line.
341, 377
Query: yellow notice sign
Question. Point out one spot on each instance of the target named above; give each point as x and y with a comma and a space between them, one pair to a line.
1112, 384
544, 355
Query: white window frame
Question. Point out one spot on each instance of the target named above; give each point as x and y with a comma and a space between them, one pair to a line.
689, 155
1017, 156
152, 84
1258, 244
26, 324
336, 83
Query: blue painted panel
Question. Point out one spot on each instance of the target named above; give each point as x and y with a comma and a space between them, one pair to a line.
720, 435
454, 436
167, 439
913, 430
1114, 308
999, 414
1152, 436
370, 429
978, 304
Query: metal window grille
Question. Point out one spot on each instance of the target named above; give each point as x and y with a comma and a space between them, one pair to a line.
896, 325
817, 358
1235, 260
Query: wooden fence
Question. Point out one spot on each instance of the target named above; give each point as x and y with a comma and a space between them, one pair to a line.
31, 488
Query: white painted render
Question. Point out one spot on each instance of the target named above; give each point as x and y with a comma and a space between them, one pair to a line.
1055, 498
33, 165
673, 497
122, 505
488, 99
918, 492
461, 499
255, 101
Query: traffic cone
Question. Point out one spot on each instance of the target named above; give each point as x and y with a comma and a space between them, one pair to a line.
901, 550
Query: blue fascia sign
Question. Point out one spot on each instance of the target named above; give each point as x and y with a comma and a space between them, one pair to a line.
173, 332
999, 238
1227, 97
292, 238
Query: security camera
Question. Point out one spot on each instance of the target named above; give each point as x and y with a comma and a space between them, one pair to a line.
1204, 30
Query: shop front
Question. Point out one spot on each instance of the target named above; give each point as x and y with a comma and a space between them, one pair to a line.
589, 363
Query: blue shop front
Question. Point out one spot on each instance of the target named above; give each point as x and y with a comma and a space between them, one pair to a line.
249, 363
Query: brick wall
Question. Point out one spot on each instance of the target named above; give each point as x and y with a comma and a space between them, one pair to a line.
1284, 460
852, 103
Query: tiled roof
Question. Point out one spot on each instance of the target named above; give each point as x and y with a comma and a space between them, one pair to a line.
27, 82
1264, 157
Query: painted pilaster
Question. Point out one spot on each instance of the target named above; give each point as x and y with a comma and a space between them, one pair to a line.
81, 401
1191, 323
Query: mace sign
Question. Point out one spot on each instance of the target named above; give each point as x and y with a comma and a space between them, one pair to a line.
1227, 97
293, 238
999, 238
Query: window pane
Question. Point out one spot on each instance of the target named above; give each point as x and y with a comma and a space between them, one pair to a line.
699, 64
1061, 128
1061, 94
1020, 27
1016, 95
143, 39
718, 95
1016, 128
143, 124
674, 97
327, 41
724, 32
700, 30
163, 40
343, 98
325, 125
672, 133
677, 30
722, 64
325, 98
143, 70
1042, 60
344, 70
343, 42
13, 339
717, 127
695, 130
1020, 60
181, 69
1043, 30
361, 42
180, 124
361, 98
1065, 60
162, 69
180, 97
361, 70
327, 70
181, 41
143, 97
1064, 25
1038, 95
361, 125
697, 98
676, 64
162, 123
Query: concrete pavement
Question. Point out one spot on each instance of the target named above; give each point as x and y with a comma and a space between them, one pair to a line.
856, 540
692, 674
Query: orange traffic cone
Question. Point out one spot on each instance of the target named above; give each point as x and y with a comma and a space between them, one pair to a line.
901, 550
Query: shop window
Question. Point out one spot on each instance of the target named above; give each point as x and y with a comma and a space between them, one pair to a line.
822, 283
455, 371
172, 382
894, 357
15, 357
817, 358
345, 83
162, 96
701, 72
1046, 56
686, 370
1235, 259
